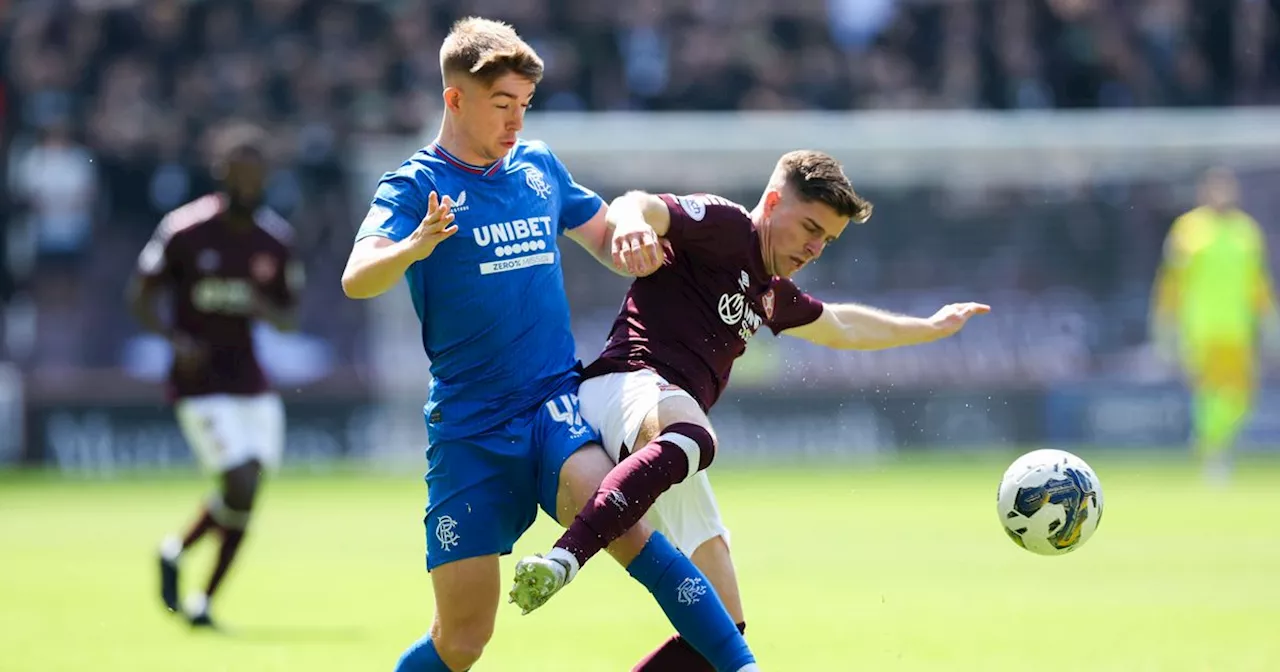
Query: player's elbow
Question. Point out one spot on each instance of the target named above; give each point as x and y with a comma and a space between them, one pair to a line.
350, 287
354, 288
358, 281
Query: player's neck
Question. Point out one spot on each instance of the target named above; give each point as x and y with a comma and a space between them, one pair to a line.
764, 237
238, 216
451, 141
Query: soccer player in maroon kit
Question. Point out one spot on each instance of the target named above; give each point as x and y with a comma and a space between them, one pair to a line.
224, 261
725, 274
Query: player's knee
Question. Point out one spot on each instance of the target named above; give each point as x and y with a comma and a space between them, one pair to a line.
698, 443
463, 646
624, 549
240, 486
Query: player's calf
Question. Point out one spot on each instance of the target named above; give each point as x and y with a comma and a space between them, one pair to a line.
466, 593
172, 548
627, 493
239, 490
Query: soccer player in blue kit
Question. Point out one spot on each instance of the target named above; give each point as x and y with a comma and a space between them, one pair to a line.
471, 221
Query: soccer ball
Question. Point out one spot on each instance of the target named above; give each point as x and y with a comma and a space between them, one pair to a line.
1050, 502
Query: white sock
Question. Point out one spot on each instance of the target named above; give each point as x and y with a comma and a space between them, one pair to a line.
171, 548
196, 604
750, 668
566, 558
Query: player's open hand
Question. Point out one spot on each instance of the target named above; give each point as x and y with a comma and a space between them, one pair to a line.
435, 227
637, 249
952, 318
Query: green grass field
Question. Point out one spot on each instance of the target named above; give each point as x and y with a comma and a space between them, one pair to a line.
898, 567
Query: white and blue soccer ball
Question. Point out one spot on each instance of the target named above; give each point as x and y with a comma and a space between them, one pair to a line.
1050, 502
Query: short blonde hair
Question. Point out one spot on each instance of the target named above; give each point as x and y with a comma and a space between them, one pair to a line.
485, 50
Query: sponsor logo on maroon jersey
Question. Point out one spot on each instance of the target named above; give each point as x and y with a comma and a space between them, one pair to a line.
766, 302
693, 206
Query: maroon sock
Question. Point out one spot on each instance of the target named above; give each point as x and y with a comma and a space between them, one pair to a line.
632, 487
231, 539
199, 528
676, 655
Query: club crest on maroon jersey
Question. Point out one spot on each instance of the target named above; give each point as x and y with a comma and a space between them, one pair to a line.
263, 267
766, 302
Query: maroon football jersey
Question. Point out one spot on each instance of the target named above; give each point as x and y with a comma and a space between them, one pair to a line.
216, 274
692, 318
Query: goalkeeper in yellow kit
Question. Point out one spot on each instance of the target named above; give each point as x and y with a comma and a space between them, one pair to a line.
1211, 302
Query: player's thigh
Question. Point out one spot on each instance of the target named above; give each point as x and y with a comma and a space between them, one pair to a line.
264, 427
560, 433
1222, 364
630, 408
210, 426
467, 594
715, 561
672, 409
480, 498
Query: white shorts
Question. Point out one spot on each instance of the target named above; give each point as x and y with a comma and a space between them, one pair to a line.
616, 404
227, 430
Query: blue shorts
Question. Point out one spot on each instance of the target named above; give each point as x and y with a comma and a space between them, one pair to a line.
483, 491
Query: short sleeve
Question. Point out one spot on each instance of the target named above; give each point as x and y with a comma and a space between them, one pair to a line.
155, 262
578, 204
791, 306
398, 206
708, 226
1176, 242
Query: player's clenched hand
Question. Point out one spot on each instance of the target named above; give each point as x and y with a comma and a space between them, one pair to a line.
434, 228
952, 318
636, 249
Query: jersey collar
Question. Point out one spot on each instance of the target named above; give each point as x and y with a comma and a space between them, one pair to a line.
441, 153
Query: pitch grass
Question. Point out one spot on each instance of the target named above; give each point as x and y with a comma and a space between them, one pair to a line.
897, 567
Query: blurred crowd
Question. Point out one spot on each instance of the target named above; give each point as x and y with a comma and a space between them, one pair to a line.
106, 105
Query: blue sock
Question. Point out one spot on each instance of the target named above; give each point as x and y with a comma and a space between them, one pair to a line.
691, 604
421, 657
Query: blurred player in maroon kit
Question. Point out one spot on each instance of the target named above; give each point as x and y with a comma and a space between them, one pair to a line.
224, 260
725, 274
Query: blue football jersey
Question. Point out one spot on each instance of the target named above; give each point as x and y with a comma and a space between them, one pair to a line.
491, 299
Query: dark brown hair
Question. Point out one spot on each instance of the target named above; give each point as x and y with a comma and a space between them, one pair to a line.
817, 176
486, 50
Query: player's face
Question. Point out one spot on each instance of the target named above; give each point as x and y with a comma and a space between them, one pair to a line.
1220, 190
799, 230
245, 179
493, 116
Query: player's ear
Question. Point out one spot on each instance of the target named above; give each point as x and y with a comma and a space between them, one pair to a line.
771, 199
452, 98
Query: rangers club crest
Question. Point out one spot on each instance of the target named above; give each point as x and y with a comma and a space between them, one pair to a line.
766, 302
533, 177
263, 268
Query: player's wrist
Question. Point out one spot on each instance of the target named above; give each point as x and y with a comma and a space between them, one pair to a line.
411, 249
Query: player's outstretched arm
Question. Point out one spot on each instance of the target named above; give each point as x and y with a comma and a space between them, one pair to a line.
1166, 293
377, 262
621, 239
849, 326
594, 237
